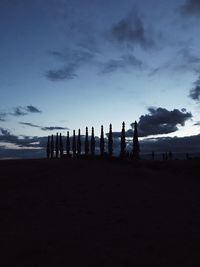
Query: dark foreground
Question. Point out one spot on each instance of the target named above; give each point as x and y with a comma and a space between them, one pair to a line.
99, 213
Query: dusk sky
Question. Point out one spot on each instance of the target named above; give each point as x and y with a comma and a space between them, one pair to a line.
68, 64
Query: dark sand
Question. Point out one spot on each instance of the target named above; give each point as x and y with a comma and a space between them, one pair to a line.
99, 213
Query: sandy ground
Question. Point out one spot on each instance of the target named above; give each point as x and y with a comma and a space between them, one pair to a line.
99, 213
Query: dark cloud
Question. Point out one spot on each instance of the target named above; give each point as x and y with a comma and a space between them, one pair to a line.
52, 128
32, 109
131, 31
161, 121
49, 128
195, 91
191, 8
125, 62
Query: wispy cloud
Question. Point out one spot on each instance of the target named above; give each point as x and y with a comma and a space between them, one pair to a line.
19, 111
191, 8
65, 73
47, 128
72, 59
3, 116
131, 31
32, 109
184, 60
123, 63
22, 111
195, 91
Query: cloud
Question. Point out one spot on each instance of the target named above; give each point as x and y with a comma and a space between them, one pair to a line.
22, 111
32, 109
21, 141
52, 128
131, 31
19, 111
29, 124
65, 73
3, 116
191, 8
126, 61
188, 56
174, 144
195, 91
72, 59
161, 121
48, 128
183, 60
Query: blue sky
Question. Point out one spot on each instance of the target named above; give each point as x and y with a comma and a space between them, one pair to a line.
70, 64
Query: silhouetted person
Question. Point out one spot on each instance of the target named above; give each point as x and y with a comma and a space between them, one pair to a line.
68, 144
110, 142
74, 144
48, 148
86, 142
102, 143
52, 146
92, 143
123, 142
79, 143
61, 146
136, 146
152, 155
57, 146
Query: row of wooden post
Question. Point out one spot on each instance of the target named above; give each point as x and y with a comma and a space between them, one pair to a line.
56, 150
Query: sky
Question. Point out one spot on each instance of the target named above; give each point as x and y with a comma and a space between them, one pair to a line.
68, 64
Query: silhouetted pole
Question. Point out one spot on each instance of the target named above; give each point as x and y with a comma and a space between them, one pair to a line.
102, 143
79, 143
110, 142
57, 146
52, 146
74, 144
68, 144
92, 143
123, 142
48, 148
61, 146
86, 142
136, 146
